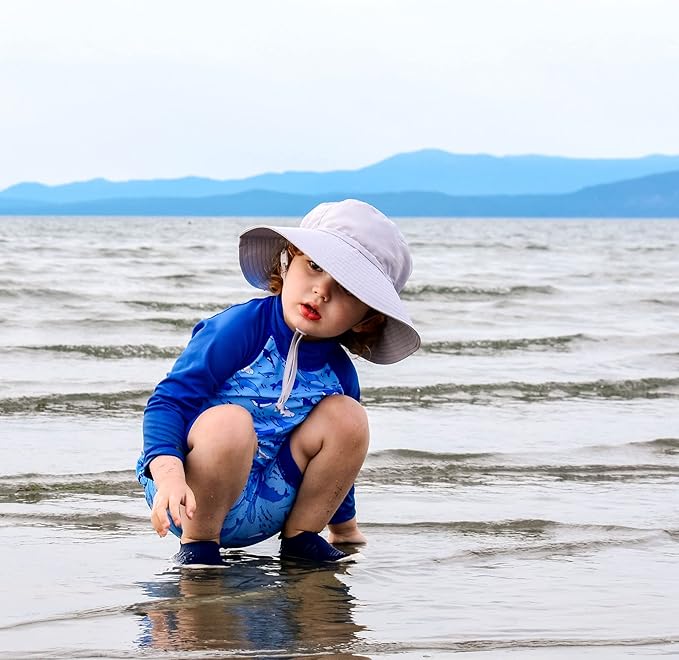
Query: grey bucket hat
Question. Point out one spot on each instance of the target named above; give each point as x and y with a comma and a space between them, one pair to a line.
361, 249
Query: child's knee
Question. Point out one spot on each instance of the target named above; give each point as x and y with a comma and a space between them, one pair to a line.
345, 419
346, 416
224, 429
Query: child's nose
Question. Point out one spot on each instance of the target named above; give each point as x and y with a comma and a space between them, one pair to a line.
323, 286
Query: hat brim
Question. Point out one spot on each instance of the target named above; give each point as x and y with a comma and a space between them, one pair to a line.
348, 266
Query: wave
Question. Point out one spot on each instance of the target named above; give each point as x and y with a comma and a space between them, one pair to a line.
436, 647
99, 522
77, 403
111, 352
144, 251
427, 396
186, 323
559, 548
529, 527
403, 468
174, 306
669, 446
416, 455
476, 245
123, 324
177, 278
662, 303
669, 247
446, 474
179, 323
483, 346
151, 351
435, 291
42, 292
33, 487
410, 468
388, 456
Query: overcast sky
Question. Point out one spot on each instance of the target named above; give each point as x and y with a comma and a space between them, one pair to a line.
158, 88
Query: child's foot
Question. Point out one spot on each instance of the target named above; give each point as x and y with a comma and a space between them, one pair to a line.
199, 554
309, 546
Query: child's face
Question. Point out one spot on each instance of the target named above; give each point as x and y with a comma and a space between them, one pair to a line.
315, 303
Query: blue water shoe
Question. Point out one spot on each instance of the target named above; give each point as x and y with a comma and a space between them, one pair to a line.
309, 546
199, 554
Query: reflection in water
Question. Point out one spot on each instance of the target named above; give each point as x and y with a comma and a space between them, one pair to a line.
257, 604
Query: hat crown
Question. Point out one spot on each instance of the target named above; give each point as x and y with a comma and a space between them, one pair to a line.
375, 235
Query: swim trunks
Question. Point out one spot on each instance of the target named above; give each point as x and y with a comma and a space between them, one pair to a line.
263, 505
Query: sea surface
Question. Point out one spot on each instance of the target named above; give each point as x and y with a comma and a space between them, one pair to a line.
520, 497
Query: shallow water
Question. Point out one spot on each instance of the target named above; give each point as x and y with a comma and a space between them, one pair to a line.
521, 492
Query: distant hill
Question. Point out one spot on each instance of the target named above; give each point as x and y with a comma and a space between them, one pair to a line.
429, 170
651, 196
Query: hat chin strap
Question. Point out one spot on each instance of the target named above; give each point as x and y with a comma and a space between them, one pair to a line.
290, 372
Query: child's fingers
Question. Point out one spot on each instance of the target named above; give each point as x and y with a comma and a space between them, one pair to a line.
174, 510
159, 519
162, 527
190, 503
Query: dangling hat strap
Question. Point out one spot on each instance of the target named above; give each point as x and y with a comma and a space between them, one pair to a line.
290, 372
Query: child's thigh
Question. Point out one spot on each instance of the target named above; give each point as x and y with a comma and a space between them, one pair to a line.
261, 508
264, 504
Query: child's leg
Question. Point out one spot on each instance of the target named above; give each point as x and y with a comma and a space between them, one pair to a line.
329, 447
222, 444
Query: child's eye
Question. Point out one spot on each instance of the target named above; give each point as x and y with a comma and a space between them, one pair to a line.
314, 266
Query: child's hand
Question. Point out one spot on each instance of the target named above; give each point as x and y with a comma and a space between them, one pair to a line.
172, 492
167, 501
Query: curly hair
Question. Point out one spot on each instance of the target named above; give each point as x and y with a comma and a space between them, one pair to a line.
358, 343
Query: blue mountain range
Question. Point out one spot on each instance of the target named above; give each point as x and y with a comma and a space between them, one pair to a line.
422, 183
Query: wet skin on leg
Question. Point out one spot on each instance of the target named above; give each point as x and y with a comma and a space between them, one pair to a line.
222, 441
329, 448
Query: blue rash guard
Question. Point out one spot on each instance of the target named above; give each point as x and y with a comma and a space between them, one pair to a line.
238, 357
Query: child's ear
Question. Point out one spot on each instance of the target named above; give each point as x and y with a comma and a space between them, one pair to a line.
370, 323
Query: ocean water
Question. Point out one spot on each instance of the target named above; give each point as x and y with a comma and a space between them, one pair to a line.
520, 497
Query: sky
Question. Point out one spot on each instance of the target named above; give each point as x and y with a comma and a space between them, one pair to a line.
139, 89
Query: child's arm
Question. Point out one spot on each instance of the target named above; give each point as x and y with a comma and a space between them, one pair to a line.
218, 348
172, 491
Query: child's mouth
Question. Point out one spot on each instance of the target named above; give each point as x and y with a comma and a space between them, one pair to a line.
309, 312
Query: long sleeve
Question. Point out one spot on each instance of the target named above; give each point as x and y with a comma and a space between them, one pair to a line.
218, 347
